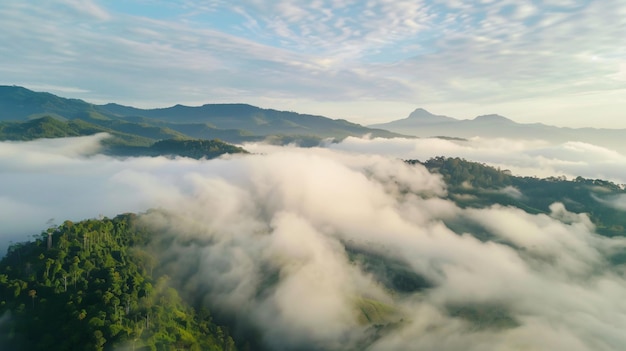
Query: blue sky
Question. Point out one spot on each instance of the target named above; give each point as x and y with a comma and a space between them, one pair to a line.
560, 62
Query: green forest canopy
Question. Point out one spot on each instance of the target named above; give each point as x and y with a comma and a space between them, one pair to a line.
89, 286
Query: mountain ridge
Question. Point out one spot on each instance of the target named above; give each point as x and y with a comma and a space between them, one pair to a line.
427, 124
235, 122
493, 118
240, 122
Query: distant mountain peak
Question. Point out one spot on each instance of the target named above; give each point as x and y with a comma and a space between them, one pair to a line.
418, 117
493, 118
421, 113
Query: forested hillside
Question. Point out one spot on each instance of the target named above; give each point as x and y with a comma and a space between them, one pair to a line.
235, 123
90, 286
49, 127
473, 184
136, 140
192, 148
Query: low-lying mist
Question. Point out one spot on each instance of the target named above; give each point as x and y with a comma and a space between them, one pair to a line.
348, 247
522, 157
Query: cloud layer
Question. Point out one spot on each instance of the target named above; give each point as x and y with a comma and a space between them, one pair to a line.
523, 157
546, 275
287, 241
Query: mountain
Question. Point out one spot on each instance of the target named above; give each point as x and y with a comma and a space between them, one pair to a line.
422, 116
422, 123
493, 118
18, 104
229, 122
250, 120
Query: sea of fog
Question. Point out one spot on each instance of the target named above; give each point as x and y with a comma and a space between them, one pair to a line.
293, 210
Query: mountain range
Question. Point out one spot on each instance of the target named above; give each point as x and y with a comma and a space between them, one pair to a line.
234, 123
25, 115
422, 123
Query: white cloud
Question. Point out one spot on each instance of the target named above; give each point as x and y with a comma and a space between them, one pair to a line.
522, 157
618, 202
304, 212
56, 89
88, 7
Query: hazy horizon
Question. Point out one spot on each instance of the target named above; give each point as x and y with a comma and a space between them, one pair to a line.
391, 119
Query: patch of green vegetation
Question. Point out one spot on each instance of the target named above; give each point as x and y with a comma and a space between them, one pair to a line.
484, 316
374, 312
50, 127
45, 127
392, 273
299, 140
90, 286
194, 148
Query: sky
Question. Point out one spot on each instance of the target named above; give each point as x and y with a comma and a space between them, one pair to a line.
559, 62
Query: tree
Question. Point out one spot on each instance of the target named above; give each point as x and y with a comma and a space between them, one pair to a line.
32, 293
99, 340
49, 263
50, 231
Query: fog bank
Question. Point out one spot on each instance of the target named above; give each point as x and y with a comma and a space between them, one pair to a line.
522, 157
293, 242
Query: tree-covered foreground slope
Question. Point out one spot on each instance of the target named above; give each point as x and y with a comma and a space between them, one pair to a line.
90, 286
